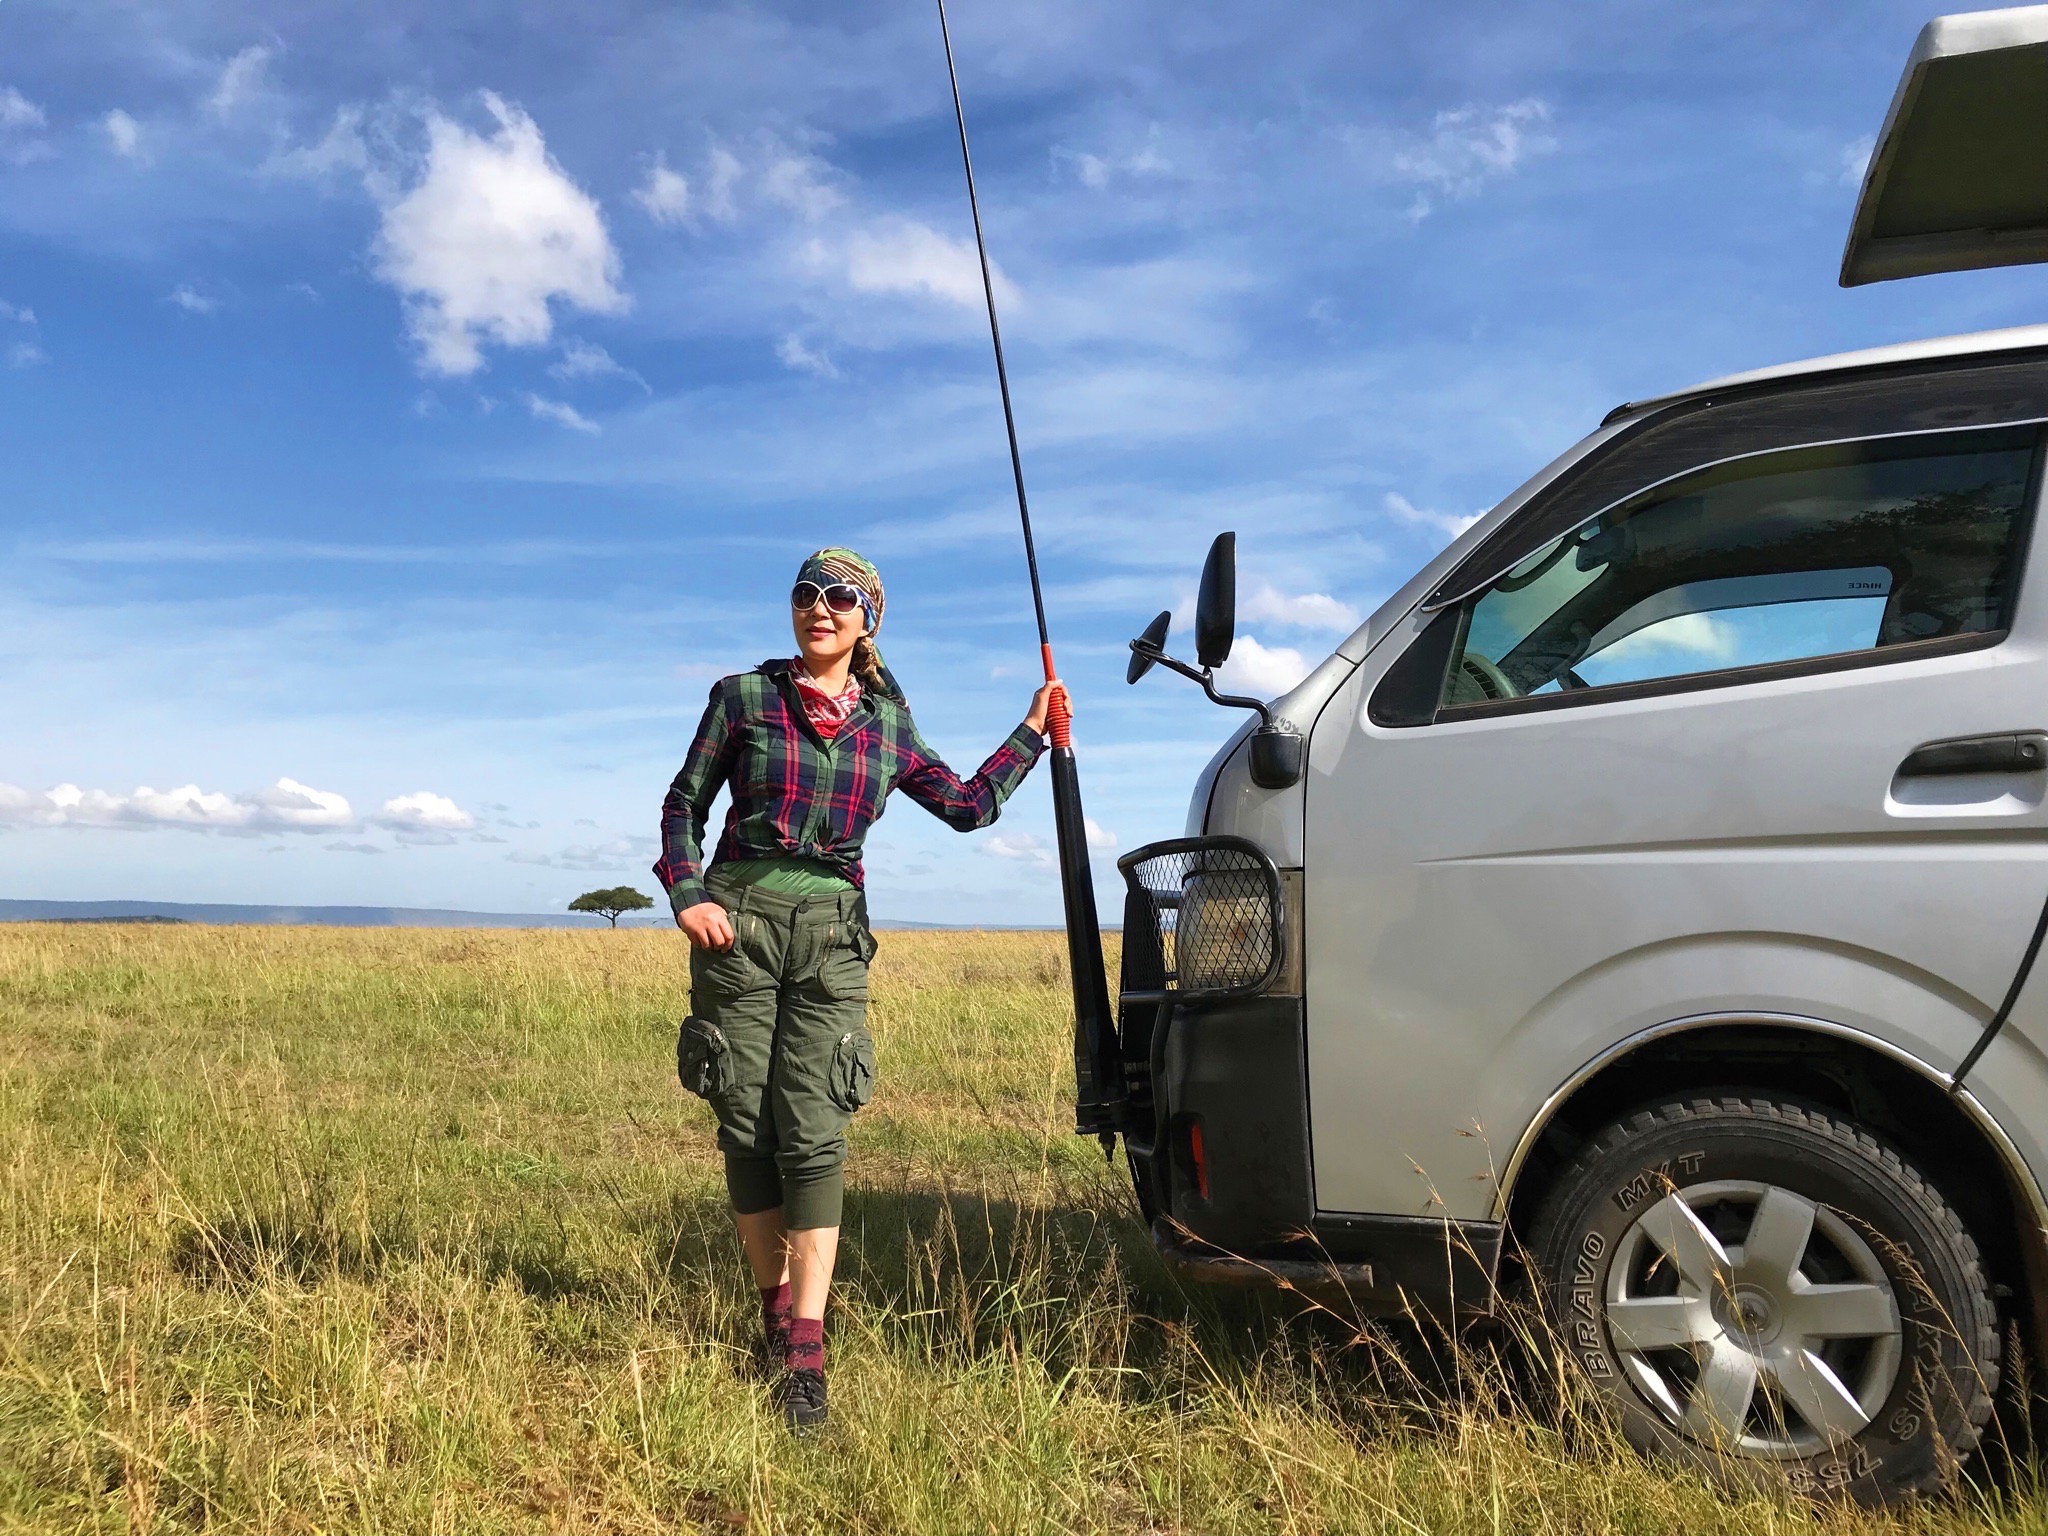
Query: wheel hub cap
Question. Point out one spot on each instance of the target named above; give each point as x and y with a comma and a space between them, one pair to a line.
1750, 1313
1779, 1343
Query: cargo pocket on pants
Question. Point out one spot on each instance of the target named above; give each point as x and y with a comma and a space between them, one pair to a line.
702, 1060
843, 973
852, 1082
727, 972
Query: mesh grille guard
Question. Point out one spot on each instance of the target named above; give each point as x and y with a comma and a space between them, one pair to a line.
1203, 920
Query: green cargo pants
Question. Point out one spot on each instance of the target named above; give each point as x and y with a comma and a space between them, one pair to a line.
777, 1042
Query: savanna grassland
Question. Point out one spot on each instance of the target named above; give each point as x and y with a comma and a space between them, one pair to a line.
308, 1230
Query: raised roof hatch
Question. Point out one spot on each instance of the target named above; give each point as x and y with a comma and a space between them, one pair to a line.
1959, 178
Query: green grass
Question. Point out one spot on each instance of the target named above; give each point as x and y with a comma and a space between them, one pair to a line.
363, 1231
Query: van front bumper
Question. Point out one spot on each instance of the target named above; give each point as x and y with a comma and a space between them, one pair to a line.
1229, 1170
1212, 1035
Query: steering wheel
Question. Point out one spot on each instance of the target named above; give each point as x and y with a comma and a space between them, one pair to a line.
1490, 677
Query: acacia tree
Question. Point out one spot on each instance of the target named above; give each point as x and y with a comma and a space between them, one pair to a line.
610, 904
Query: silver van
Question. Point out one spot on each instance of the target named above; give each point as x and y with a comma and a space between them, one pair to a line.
1643, 901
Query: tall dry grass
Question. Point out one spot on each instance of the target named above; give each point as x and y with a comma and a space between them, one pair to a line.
311, 1230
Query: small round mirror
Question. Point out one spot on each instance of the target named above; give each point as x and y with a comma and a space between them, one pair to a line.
1152, 641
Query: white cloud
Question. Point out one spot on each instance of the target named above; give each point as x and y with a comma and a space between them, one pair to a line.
19, 120
586, 360
665, 195
765, 173
189, 299
561, 413
492, 232
341, 148
798, 182
1854, 159
1264, 672
425, 819
289, 803
1093, 170
1691, 634
28, 351
795, 354
1307, 610
1022, 846
723, 177
240, 81
17, 111
1029, 849
846, 245
904, 256
124, 133
1097, 171
352, 848
288, 806
1470, 146
618, 855
1449, 524
425, 809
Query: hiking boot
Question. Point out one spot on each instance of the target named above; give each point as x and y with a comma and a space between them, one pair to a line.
802, 1394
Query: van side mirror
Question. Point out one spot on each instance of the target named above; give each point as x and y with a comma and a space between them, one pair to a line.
1279, 753
1216, 603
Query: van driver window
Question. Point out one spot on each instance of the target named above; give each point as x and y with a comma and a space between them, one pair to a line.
1788, 556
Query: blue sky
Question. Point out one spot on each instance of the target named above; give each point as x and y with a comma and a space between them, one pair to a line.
409, 410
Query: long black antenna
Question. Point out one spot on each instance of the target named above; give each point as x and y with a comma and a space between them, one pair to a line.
995, 331
1098, 1067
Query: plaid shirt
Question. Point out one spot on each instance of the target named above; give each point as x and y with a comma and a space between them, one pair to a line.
796, 794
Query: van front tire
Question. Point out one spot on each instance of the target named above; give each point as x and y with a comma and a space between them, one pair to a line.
1759, 1288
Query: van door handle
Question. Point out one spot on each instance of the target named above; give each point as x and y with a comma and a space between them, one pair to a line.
2008, 752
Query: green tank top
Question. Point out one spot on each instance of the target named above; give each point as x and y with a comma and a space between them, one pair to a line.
780, 872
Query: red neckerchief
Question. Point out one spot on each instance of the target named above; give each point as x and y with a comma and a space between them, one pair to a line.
826, 712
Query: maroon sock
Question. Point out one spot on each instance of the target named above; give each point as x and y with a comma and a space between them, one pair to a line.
775, 1315
806, 1350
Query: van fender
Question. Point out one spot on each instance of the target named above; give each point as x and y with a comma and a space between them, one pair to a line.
2024, 1184
2023, 1192
1588, 1021
1907, 1016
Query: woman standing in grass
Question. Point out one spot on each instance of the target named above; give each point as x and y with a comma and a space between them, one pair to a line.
777, 1038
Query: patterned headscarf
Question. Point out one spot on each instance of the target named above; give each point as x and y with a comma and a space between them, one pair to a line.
830, 565
840, 564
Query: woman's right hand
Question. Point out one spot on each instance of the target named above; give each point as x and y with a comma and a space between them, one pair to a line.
1041, 706
707, 925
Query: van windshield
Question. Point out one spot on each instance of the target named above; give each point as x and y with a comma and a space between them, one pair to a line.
1781, 556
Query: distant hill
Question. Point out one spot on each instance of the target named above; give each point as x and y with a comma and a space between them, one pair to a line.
330, 917
319, 917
